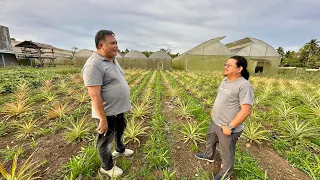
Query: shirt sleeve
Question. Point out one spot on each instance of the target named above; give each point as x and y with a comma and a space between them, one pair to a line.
246, 95
92, 75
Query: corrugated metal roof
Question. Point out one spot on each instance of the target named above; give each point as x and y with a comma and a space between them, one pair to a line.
13, 52
34, 45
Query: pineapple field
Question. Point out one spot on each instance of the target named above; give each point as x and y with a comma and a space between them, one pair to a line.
46, 129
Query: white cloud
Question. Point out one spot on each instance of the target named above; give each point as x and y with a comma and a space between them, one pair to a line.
154, 24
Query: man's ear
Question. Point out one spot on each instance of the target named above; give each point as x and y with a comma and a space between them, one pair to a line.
99, 45
240, 69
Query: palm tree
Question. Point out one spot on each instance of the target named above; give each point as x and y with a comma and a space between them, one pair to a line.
309, 52
312, 49
281, 53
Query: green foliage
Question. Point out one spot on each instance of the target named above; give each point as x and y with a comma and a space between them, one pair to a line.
184, 110
309, 54
84, 164
140, 110
254, 132
26, 171
3, 128
78, 130
9, 152
192, 133
27, 128
59, 110
16, 108
246, 167
134, 130
297, 132
156, 151
168, 174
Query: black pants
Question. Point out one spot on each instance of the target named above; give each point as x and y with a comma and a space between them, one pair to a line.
116, 127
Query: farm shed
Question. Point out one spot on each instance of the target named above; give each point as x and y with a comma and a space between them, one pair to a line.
209, 55
159, 60
38, 51
135, 59
262, 58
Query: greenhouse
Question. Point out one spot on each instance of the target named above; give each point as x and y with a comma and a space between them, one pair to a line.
210, 55
262, 58
135, 59
159, 60
81, 57
120, 59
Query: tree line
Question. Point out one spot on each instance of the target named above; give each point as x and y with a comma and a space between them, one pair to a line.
307, 56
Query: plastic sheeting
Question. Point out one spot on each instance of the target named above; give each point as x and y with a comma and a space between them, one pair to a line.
211, 56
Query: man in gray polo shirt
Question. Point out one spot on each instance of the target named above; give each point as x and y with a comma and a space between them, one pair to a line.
231, 108
110, 97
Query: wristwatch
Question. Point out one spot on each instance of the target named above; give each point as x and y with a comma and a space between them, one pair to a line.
230, 127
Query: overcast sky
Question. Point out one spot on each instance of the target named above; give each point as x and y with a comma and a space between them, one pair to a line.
154, 24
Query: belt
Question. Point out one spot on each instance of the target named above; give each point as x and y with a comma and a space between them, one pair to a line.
117, 115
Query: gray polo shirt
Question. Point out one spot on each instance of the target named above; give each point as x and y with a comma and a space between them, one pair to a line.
115, 92
230, 97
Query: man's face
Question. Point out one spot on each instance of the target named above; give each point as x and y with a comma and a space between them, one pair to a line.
230, 68
109, 46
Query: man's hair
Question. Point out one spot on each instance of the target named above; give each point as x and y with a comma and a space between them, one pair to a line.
100, 36
241, 61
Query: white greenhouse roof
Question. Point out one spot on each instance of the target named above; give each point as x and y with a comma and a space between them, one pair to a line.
159, 55
135, 54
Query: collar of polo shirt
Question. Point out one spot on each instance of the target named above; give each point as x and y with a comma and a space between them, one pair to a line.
101, 57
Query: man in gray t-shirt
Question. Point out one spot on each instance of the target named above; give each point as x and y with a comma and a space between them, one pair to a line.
231, 108
110, 97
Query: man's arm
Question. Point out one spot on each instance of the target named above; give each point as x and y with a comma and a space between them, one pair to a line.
245, 111
242, 115
211, 112
97, 103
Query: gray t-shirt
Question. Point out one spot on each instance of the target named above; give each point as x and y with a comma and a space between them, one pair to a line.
230, 97
115, 92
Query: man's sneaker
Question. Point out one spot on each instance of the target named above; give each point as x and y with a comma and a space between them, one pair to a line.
127, 152
219, 177
114, 172
203, 157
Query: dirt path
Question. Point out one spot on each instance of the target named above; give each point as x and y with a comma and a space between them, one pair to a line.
184, 162
277, 167
56, 151
186, 165
51, 152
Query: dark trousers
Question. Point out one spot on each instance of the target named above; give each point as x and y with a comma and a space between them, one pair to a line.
116, 127
227, 145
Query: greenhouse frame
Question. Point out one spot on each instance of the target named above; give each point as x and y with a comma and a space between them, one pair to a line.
211, 55
134, 59
159, 60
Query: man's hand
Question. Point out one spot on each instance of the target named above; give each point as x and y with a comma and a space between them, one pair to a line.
103, 127
226, 130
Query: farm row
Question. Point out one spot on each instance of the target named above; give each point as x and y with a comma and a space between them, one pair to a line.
45, 122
